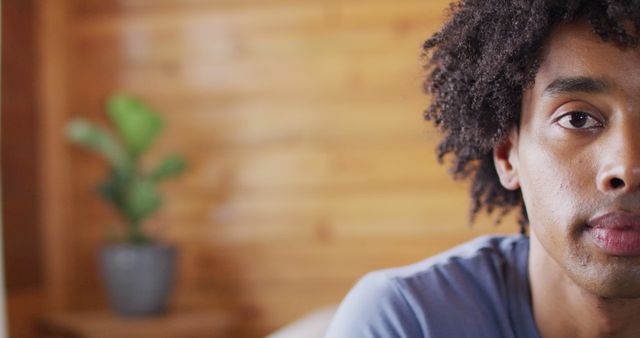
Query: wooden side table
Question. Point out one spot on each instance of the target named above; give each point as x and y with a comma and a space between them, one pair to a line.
183, 324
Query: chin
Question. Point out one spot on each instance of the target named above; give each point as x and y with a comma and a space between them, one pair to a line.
613, 291
616, 277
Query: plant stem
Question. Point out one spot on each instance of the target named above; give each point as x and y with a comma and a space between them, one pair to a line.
136, 236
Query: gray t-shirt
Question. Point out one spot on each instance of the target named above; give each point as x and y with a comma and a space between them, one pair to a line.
478, 289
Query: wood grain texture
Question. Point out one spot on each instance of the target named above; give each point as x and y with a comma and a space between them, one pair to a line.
19, 147
55, 167
302, 122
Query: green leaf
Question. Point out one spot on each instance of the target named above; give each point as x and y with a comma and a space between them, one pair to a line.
170, 166
113, 190
93, 137
142, 200
137, 124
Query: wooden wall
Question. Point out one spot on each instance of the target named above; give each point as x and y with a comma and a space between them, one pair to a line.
302, 122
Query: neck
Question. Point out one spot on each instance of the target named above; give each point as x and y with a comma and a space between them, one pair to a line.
562, 308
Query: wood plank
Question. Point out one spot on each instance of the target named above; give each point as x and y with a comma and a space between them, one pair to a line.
20, 144
315, 166
258, 16
268, 77
157, 48
24, 307
325, 227
336, 166
54, 172
378, 11
258, 121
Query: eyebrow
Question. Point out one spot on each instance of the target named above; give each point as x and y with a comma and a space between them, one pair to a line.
576, 84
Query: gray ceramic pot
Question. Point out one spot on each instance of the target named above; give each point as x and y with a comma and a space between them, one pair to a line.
139, 278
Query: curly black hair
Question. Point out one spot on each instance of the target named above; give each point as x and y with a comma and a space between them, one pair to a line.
480, 63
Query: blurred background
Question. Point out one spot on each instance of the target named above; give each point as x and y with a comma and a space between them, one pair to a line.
309, 163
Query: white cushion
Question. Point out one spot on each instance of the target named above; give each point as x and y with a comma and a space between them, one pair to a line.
312, 325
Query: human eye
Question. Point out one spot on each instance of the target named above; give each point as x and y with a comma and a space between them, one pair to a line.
578, 120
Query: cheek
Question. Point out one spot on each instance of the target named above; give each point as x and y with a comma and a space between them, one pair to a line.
554, 187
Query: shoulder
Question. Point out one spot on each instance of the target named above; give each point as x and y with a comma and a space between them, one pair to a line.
491, 255
375, 307
413, 300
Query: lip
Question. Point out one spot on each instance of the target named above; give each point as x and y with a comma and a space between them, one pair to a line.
616, 233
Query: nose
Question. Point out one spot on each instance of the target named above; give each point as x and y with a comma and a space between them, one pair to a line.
620, 169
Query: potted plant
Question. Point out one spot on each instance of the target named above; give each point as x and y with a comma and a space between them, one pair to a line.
137, 270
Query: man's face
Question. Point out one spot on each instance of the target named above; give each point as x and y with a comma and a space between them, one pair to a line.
576, 158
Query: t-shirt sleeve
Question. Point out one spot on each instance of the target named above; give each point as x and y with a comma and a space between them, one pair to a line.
374, 308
